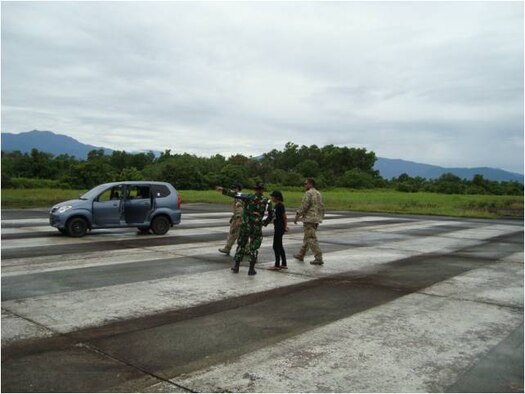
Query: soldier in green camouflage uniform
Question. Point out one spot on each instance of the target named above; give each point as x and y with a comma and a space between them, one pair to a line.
311, 212
250, 236
235, 221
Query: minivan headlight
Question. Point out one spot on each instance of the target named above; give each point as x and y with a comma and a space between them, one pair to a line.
64, 208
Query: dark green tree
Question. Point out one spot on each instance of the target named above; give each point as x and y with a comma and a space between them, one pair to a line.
308, 168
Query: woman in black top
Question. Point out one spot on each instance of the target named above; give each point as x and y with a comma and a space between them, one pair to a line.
280, 227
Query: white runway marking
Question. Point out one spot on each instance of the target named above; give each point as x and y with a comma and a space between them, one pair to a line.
402, 345
114, 235
499, 284
74, 310
107, 236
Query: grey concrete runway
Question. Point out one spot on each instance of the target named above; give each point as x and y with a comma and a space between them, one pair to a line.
402, 304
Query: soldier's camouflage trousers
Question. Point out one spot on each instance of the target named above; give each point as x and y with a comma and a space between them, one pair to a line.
249, 242
310, 241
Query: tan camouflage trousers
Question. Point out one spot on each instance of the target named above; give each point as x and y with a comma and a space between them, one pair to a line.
310, 241
235, 228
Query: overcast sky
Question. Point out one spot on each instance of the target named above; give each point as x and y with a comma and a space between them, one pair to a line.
439, 83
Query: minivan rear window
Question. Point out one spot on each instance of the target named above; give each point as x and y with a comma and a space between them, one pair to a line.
160, 191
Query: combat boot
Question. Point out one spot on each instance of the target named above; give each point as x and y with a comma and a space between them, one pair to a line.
225, 251
235, 268
252, 269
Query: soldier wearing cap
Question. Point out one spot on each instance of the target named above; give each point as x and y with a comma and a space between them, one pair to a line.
311, 212
250, 235
235, 221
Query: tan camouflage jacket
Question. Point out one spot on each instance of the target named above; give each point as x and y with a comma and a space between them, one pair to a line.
312, 207
237, 207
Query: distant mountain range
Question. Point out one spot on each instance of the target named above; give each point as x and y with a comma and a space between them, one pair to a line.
48, 141
389, 168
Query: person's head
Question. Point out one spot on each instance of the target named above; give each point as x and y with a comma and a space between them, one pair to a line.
236, 187
309, 183
277, 196
259, 188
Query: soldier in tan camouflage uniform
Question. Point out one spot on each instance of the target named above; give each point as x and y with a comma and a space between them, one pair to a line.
311, 212
235, 221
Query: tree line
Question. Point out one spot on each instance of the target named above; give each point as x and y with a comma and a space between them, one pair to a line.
331, 166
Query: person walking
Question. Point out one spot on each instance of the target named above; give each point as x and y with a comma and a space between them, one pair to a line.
235, 221
280, 224
311, 212
250, 235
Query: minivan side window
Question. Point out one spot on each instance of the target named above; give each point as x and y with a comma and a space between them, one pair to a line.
160, 191
113, 193
135, 192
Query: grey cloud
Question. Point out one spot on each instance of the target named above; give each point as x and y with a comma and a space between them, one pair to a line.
248, 77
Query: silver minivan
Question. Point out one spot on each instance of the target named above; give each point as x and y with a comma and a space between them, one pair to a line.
148, 206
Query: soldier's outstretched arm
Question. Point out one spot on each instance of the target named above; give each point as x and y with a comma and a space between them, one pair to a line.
231, 193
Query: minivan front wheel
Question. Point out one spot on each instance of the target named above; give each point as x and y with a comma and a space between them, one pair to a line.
77, 227
160, 225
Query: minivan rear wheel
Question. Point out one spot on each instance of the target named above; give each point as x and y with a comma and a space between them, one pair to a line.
160, 225
77, 227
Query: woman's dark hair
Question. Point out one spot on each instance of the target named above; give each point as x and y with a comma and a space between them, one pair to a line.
278, 195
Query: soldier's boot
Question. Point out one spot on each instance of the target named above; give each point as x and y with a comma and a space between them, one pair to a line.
225, 250
318, 260
252, 271
298, 256
235, 268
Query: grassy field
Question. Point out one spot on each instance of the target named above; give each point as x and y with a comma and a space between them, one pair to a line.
36, 198
388, 201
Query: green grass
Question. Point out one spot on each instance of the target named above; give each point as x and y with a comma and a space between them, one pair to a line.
36, 198
389, 201
378, 200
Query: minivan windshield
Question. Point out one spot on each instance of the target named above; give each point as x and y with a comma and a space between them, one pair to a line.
94, 192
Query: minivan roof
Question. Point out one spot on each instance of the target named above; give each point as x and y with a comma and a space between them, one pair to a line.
136, 183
